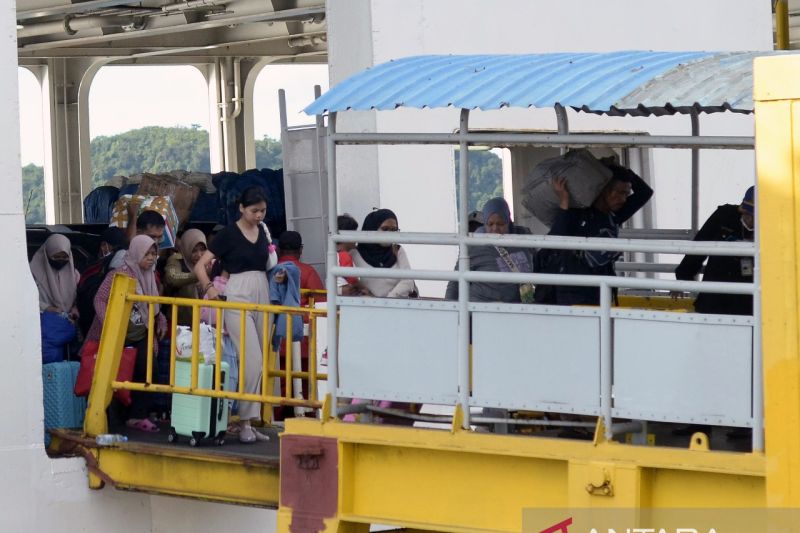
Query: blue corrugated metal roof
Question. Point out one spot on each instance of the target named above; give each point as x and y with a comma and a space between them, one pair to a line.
617, 83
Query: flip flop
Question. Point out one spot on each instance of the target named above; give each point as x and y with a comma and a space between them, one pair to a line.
143, 424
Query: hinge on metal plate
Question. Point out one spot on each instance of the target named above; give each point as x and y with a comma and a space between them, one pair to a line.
603, 489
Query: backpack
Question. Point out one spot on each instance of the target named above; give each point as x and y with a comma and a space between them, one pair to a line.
90, 282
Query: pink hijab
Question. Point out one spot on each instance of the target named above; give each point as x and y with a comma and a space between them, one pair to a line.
145, 279
57, 288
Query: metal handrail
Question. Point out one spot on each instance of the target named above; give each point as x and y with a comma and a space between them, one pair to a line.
552, 242
549, 140
548, 279
112, 339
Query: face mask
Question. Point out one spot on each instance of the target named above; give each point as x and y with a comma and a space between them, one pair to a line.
744, 224
58, 264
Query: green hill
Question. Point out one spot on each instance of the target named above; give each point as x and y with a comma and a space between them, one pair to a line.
158, 149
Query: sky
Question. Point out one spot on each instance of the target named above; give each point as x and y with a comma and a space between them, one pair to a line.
129, 97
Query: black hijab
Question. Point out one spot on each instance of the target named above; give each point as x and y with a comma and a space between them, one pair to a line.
375, 254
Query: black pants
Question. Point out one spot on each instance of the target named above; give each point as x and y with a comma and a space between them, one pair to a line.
141, 402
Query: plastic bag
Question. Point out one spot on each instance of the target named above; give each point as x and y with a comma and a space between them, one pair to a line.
207, 348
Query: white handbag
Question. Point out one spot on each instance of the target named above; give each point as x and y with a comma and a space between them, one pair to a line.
272, 254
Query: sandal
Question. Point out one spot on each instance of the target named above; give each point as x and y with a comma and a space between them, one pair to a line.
142, 424
233, 429
248, 435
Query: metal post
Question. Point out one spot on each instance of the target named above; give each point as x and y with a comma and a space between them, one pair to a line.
782, 25
758, 359
463, 266
695, 173
287, 183
330, 279
562, 123
605, 356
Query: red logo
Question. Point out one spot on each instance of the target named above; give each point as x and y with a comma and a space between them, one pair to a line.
561, 527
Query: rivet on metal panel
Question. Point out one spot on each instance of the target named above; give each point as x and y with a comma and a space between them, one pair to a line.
699, 442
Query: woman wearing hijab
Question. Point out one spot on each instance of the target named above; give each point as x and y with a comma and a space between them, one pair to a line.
55, 276
57, 281
179, 277
139, 264
497, 220
387, 256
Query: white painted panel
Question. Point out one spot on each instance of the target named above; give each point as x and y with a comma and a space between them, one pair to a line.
390, 352
683, 370
305, 188
527, 360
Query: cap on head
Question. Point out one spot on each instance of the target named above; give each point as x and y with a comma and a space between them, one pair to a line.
749, 201
290, 240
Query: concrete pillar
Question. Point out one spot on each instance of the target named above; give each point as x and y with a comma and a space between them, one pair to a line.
231, 130
248, 118
211, 72
67, 170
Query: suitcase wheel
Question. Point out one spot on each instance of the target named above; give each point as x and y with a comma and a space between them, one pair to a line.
219, 441
172, 437
196, 438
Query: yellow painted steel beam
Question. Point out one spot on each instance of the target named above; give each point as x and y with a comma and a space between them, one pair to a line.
656, 302
777, 122
171, 470
112, 341
723, 462
470, 482
192, 474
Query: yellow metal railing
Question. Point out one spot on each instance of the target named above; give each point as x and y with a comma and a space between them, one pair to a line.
121, 300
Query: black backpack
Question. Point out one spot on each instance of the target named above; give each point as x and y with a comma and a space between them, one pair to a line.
90, 282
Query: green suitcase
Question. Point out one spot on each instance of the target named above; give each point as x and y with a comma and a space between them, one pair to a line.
199, 418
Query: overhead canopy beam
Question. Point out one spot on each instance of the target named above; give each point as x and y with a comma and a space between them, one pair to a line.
69, 9
171, 29
266, 46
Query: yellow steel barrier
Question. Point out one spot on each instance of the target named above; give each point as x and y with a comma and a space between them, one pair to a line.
123, 296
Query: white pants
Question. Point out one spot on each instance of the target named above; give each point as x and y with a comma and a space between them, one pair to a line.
249, 287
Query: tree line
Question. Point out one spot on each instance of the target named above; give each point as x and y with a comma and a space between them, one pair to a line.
157, 149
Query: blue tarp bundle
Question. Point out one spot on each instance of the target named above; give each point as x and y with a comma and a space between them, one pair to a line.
57, 333
206, 208
97, 206
221, 207
230, 186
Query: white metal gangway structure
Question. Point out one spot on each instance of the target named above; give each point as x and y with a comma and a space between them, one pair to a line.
65, 44
612, 362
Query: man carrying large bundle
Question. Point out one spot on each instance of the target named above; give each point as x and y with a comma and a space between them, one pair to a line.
623, 195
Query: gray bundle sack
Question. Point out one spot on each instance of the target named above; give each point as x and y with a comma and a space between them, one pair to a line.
585, 174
